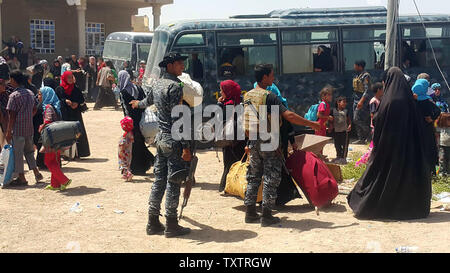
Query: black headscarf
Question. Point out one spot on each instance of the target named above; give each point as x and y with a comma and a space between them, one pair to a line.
397, 181
55, 70
50, 83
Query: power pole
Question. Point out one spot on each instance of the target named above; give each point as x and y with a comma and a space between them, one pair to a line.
391, 34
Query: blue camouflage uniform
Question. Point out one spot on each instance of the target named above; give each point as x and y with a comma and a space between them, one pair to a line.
361, 117
169, 169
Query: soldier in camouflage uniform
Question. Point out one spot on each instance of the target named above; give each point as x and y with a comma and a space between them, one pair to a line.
265, 165
170, 167
361, 98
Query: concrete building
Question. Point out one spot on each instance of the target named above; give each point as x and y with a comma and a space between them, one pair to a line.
140, 23
64, 27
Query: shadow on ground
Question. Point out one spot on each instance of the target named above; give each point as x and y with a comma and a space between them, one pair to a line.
141, 179
74, 170
80, 191
309, 224
93, 160
207, 186
207, 234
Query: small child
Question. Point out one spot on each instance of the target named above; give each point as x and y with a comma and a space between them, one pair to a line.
374, 103
342, 125
444, 148
125, 148
324, 110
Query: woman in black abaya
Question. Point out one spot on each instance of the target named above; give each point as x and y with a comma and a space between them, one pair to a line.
142, 159
397, 181
71, 99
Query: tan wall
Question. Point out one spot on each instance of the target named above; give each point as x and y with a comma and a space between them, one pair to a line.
16, 15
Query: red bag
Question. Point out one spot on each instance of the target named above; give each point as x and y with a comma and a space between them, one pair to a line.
313, 177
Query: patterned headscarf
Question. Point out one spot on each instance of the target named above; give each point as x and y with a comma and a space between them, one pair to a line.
127, 125
49, 97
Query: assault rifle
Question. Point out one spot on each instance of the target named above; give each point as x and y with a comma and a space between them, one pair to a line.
190, 179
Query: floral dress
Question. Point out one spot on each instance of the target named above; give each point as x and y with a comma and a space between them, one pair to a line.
125, 154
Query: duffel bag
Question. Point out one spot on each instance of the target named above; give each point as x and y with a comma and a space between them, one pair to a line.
236, 183
314, 178
60, 134
149, 124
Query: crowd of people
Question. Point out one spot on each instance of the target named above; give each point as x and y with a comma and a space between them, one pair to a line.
393, 115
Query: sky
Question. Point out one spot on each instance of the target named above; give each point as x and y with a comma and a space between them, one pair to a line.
219, 9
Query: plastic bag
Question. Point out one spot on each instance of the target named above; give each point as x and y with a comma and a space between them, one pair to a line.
149, 124
7, 157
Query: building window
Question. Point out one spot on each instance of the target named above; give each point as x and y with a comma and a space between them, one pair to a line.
42, 34
95, 38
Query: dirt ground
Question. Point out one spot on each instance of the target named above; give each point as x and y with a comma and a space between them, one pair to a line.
35, 220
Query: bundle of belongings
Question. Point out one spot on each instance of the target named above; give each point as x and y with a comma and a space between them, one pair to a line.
149, 124
314, 177
60, 134
192, 95
237, 182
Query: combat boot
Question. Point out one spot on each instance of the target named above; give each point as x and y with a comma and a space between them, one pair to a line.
154, 226
251, 216
173, 229
267, 219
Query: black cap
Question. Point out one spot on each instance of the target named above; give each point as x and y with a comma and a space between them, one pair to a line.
171, 58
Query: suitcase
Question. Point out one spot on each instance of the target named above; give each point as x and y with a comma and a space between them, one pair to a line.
61, 134
313, 177
236, 183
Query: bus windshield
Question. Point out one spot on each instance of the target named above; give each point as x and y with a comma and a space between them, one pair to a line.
157, 52
117, 50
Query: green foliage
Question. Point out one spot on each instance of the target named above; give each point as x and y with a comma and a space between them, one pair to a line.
349, 171
441, 184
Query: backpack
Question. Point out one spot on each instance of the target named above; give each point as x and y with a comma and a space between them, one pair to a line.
358, 84
312, 112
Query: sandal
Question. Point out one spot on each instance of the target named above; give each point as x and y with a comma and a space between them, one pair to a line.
49, 187
38, 178
63, 187
18, 183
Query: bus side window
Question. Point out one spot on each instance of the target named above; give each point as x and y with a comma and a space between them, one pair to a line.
416, 50
194, 65
307, 50
366, 44
238, 53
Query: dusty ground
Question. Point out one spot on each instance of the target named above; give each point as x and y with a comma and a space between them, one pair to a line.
34, 220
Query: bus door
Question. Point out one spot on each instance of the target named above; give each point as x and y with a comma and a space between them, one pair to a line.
193, 46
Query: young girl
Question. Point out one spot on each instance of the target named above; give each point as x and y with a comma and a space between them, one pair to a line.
444, 145
375, 101
125, 148
342, 125
324, 110
52, 158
